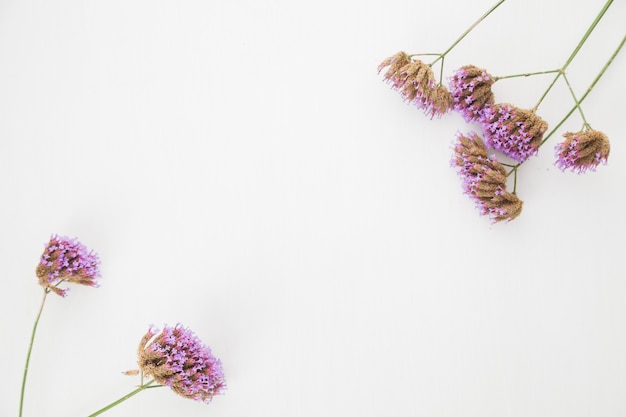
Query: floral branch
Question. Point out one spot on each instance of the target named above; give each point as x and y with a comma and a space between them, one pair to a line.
173, 356
516, 133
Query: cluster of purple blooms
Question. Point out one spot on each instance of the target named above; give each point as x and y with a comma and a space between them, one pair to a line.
173, 356
471, 91
582, 151
176, 358
416, 83
67, 260
484, 179
515, 132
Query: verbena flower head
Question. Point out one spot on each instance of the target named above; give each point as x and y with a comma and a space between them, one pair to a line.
515, 132
582, 151
175, 357
484, 179
416, 83
470, 87
68, 260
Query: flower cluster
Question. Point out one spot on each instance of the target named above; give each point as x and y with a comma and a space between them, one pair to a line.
582, 151
515, 132
66, 259
416, 83
484, 179
470, 87
175, 357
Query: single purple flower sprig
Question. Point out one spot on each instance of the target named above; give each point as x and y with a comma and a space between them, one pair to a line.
63, 259
176, 358
67, 260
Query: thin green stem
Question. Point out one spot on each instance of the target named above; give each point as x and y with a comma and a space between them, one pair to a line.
577, 103
125, 397
514, 172
427, 54
575, 52
527, 74
464, 34
584, 96
586, 35
441, 71
30, 349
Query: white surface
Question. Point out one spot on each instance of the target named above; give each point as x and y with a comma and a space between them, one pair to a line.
241, 168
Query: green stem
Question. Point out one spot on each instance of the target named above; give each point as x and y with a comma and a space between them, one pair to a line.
514, 172
586, 35
441, 72
30, 349
575, 52
125, 397
577, 103
476, 23
584, 96
527, 74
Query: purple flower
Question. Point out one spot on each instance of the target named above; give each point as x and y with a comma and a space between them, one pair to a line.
176, 358
470, 87
582, 151
416, 83
515, 132
66, 259
484, 179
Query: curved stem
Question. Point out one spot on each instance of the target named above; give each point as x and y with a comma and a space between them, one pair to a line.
125, 397
30, 349
468, 30
575, 52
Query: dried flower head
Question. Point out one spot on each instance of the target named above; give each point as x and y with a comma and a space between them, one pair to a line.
395, 64
582, 151
470, 87
484, 179
68, 260
176, 358
416, 82
515, 132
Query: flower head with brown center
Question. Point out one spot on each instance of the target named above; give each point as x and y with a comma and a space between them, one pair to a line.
513, 131
67, 260
416, 83
470, 87
582, 151
175, 357
484, 179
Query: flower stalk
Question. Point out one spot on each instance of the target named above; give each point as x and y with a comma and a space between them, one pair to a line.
591, 86
140, 388
468, 30
575, 52
30, 349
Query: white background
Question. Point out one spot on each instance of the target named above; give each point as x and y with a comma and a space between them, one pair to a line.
241, 168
